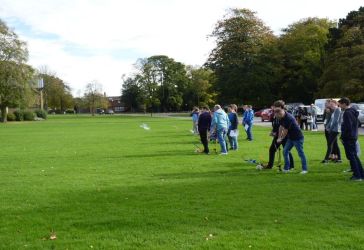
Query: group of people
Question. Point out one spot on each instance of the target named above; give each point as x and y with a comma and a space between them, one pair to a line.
222, 126
306, 117
340, 118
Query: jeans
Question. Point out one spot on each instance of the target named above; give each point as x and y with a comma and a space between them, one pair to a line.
233, 140
352, 155
221, 134
273, 149
249, 131
298, 144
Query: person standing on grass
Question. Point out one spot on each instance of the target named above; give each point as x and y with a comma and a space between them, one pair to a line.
195, 114
289, 129
220, 123
333, 130
233, 131
204, 124
349, 137
275, 145
314, 117
248, 119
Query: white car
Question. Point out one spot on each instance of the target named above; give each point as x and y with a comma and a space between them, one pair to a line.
359, 107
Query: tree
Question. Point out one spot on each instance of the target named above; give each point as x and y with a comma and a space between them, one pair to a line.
132, 95
15, 76
241, 65
57, 93
162, 81
94, 97
200, 88
303, 47
343, 73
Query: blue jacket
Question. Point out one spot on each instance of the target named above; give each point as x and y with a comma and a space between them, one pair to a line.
349, 126
195, 116
248, 116
234, 121
220, 120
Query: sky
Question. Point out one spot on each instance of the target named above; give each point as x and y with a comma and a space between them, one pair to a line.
100, 40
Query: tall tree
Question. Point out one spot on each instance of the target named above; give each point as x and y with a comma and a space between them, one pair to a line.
94, 96
303, 48
163, 81
15, 76
243, 72
343, 73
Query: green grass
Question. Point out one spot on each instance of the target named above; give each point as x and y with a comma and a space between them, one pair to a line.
105, 183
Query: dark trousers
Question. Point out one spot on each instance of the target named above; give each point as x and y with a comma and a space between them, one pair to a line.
332, 145
273, 149
352, 156
203, 137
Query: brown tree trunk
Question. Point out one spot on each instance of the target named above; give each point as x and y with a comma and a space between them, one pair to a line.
4, 114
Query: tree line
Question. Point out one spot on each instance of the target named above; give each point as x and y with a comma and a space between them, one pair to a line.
311, 58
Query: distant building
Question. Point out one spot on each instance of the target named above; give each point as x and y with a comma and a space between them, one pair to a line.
116, 104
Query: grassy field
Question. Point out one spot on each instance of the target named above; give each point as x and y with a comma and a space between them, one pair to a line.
106, 183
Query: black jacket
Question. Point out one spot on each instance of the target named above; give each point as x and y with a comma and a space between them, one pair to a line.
204, 121
349, 125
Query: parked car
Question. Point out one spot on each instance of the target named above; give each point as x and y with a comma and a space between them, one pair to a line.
267, 115
109, 112
359, 107
100, 111
258, 113
292, 108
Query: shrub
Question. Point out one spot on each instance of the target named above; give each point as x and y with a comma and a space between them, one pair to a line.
41, 114
19, 115
11, 117
29, 116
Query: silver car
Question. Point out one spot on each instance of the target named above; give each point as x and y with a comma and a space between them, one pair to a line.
359, 107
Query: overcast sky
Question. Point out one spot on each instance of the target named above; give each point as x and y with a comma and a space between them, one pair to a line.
86, 40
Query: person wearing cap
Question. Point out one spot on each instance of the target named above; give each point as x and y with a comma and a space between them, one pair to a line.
349, 137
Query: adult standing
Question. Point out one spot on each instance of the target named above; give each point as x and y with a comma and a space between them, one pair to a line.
233, 131
275, 145
204, 124
333, 130
195, 114
220, 123
290, 129
248, 119
349, 137
314, 117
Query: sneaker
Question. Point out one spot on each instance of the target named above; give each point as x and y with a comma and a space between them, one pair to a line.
348, 170
338, 161
304, 172
325, 161
353, 178
285, 171
223, 153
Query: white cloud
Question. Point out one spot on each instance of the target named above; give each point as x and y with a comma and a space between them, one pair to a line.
112, 34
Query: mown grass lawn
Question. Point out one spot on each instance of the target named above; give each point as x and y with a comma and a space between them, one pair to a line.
106, 183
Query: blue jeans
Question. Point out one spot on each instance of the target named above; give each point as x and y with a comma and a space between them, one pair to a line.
352, 155
298, 144
233, 140
249, 131
221, 134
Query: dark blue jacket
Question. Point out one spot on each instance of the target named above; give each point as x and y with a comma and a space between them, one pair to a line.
349, 125
234, 120
204, 121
